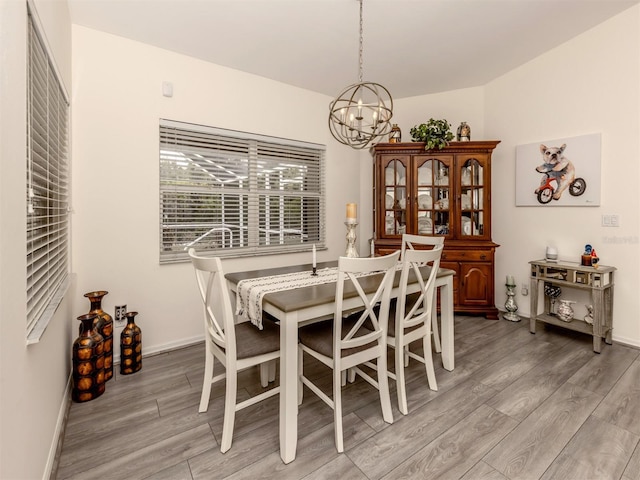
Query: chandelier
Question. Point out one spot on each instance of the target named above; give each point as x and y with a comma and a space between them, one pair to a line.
362, 111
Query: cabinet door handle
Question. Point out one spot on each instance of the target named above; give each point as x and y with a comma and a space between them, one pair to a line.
483, 257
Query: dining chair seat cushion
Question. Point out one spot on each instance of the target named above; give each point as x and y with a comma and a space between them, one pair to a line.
391, 329
319, 337
251, 341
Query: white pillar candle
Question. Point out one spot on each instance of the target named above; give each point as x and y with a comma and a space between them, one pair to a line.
314, 255
351, 211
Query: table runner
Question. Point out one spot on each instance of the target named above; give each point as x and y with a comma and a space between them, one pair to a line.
251, 291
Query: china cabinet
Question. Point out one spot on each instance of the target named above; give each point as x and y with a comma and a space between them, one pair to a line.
445, 193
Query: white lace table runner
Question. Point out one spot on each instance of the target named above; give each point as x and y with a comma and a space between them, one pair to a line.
251, 291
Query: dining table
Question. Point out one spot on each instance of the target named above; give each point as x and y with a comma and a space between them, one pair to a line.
303, 305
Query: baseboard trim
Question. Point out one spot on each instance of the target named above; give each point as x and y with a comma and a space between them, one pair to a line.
167, 347
627, 342
53, 460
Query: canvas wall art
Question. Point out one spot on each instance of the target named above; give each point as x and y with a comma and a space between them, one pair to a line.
559, 173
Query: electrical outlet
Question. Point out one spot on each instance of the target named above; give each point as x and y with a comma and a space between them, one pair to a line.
524, 291
120, 318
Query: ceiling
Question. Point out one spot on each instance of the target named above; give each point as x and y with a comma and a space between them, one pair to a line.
413, 47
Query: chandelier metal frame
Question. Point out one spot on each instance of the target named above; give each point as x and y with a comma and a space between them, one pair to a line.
362, 111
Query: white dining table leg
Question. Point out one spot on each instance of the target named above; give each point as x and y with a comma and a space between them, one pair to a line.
288, 387
447, 318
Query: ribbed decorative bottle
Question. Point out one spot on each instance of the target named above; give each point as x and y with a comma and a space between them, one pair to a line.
130, 346
88, 362
104, 326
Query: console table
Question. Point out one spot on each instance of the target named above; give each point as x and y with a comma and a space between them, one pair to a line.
599, 281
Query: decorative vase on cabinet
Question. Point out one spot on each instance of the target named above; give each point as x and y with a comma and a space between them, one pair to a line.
447, 193
130, 346
104, 326
88, 362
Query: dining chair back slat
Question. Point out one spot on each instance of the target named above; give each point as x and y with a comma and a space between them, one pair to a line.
410, 242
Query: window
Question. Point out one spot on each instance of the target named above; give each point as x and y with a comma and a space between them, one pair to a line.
47, 188
234, 193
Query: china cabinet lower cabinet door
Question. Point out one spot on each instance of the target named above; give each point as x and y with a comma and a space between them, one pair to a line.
476, 284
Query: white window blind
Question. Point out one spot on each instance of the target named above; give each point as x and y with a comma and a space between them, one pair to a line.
47, 186
235, 193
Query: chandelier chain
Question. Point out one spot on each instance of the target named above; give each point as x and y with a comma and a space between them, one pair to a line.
361, 51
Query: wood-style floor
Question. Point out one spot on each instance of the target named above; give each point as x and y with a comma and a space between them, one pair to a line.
517, 406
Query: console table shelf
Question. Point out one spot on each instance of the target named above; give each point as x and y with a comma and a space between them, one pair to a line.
598, 281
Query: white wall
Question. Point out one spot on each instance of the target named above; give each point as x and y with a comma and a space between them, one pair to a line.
455, 106
33, 379
118, 102
591, 84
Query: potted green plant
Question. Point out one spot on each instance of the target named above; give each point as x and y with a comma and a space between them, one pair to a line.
435, 133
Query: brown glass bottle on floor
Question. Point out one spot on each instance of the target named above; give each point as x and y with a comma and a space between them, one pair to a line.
88, 362
130, 346
104, 326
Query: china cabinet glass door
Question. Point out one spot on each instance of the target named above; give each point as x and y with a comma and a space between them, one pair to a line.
472, 199
433, 209
395, 199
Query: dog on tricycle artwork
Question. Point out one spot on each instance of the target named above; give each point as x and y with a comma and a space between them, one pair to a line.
558, 175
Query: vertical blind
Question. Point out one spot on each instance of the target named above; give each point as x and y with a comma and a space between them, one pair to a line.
47, 183
236, 193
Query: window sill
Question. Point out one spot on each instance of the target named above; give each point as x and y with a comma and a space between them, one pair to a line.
37, 331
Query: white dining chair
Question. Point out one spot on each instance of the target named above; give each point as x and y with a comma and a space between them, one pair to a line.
408, 243
344, 343
410, 319
235, 346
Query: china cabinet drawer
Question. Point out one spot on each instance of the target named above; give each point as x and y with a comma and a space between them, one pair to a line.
467, 255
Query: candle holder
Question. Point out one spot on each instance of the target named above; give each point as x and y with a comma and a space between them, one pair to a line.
510, 305
351, 238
